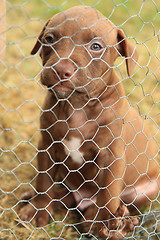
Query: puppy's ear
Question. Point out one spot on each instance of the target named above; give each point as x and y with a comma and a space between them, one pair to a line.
38, 43
127, 50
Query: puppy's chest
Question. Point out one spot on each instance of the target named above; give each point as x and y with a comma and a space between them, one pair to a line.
75, 135
75, 151
73, 148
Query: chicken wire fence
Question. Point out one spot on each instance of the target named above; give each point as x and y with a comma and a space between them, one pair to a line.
22, 96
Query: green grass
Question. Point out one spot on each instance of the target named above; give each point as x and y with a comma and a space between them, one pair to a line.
21, 97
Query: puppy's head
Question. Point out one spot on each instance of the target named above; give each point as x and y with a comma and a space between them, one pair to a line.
78, 49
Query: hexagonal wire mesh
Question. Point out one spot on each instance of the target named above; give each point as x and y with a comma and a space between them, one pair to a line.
86, 129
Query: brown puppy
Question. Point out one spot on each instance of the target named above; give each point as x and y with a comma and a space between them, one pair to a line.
90, 135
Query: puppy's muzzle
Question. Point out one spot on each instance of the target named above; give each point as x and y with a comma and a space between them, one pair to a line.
63, 78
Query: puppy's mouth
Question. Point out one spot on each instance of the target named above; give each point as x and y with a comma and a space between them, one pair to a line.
61, 89
65, 89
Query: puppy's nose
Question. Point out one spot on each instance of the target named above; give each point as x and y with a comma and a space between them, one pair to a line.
65, 70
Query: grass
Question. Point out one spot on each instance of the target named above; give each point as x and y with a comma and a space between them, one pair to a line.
21, 98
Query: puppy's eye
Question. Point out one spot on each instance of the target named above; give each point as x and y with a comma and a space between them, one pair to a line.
49, 38
96, 47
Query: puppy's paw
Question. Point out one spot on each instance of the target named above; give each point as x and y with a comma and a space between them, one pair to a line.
27, 213
118, 228
39, 216
28, 195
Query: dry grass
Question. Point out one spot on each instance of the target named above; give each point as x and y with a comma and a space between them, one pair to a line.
21, 97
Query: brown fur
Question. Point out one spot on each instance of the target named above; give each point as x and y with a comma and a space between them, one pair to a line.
86, 101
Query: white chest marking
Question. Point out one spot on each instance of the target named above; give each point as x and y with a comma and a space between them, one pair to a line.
71, 147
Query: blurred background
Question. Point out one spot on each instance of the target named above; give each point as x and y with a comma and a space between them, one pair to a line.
22, 95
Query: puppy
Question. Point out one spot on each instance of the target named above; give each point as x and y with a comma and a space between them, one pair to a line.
90, 136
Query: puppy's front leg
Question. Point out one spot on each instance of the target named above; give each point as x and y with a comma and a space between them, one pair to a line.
39, 209
110, 180
112, 223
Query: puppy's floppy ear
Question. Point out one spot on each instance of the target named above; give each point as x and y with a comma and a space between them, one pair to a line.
127, 50
38, 43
